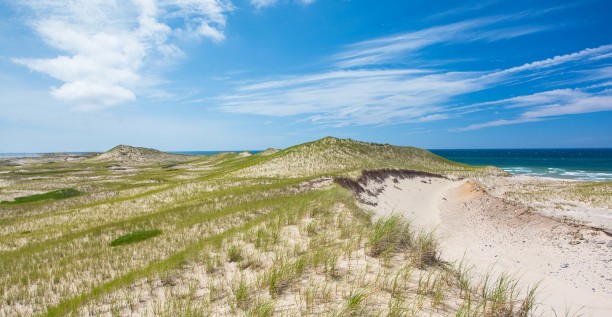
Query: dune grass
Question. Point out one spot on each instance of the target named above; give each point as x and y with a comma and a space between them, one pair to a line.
56, 194
135, 236
228, 244
390, 235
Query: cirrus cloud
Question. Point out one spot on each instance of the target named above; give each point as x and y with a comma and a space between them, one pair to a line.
364, 86
550, 104
259, 4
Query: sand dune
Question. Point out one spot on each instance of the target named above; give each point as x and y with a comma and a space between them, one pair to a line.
573, 263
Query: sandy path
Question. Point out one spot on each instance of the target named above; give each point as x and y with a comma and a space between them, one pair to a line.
573, 264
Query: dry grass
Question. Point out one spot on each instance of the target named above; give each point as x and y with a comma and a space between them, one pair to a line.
233, 244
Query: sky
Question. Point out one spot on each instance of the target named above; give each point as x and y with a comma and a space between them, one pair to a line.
179, 75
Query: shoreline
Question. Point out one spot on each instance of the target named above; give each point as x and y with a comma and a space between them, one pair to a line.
553, 178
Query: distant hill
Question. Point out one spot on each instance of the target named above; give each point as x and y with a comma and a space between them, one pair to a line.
267, 152
131, 155
327, 156
345, 156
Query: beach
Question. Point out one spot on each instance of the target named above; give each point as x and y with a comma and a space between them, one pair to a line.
480, 222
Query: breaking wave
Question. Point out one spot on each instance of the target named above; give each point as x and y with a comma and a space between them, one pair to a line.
560, 173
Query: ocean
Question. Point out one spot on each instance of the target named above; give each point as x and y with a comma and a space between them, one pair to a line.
578, 164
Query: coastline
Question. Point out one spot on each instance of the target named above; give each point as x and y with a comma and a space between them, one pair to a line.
592, 176
573, 164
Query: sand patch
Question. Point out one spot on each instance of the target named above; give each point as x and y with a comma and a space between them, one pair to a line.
573, 263
573, 201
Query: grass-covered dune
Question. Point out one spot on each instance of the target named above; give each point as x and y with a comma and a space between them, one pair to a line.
227, 235
138, 155
349, 157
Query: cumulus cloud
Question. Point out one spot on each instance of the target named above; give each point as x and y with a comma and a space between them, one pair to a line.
105, 45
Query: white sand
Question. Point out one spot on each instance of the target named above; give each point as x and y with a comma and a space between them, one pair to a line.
549, 197
501, 236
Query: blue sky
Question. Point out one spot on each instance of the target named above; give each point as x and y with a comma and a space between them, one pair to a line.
251, 74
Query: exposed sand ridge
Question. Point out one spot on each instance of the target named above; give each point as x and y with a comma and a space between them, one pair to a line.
572, 261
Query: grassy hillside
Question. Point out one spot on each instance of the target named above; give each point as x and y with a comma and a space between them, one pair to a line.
332, 156
131, 155
219, 236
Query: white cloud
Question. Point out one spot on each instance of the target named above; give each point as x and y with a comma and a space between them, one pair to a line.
395, 47
601, 52
497, 123
462, 9
352, 95
568, 101
356, 97
263, 3
90, 95
267, 3
390, 96
542, 98
550, 104
210, 32
106, 45
341, 74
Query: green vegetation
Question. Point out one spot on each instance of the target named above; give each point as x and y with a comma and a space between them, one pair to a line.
355, 302
331, 156
594, 193
390, 235
139, 156
394, 234
256, 235
135, 236
56, 194
234, 253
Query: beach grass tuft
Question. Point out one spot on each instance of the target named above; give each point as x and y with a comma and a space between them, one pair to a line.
390, 235
134, 237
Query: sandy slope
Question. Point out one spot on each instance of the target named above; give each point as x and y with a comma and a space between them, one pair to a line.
574, 263
553, 198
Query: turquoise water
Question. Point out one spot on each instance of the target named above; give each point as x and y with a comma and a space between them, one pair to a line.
581, 164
